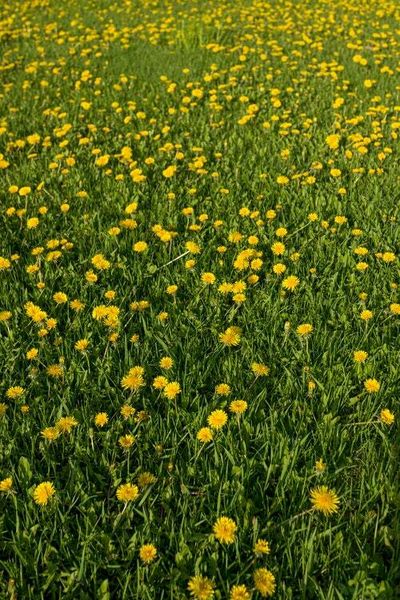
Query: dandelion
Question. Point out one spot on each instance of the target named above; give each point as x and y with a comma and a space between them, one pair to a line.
15, 392
171, 390
6, 485
395, 308
127, 492
81, 345
50, 433
259, 369
65, 424
386, 416
239, 592
148, 553
290, 283
222, 389
60, 298
324, 500
333, 141
320, 466
304, 329
43, 493
366, 315
166, 362
264, 582
127, 411
126, 441
101, 419
133, 381
208, 278
231, 336
261, 547
205, 435
201, 588
224, 530
360, 356
372, 386
238, 407
217, 419
146, 479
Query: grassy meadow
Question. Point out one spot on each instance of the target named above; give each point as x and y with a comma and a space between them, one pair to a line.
199, 300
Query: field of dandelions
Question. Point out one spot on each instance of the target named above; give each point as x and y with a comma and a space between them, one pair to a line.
199, 300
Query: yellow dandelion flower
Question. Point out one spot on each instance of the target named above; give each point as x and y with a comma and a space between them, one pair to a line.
43, 493
217, 419
148, 553
224, 530
264, 582
201, 588
324, 500
127, 492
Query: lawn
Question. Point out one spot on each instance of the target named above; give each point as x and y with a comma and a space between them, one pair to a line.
199, 300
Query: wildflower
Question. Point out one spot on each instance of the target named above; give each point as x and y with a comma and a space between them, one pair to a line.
159, 382
127, 492
146, 479
230, 337
140, 247
50, 433
60, 298
55, 370
101, 419
126, 441
222, 389
100, 263
395, 308
366, 315
77, 305
372, 386
238, 407
320, 466
386, 416
259, 369
6, 485
264, 582
304, 329
171, 390
205, 435
224, 530
332, 141
239, 592
148, 553
217, 419
290, 283
65, 424
169, 171
201, 588
360, 356
127, 411
208, 278
261, 547
324, 500
133, 381
81, 345
15, 392
166, 362
43, 493
278, 248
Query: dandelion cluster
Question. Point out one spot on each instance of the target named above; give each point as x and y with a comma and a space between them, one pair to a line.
200, 301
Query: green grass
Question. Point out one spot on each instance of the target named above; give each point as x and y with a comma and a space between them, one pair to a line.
259, 469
